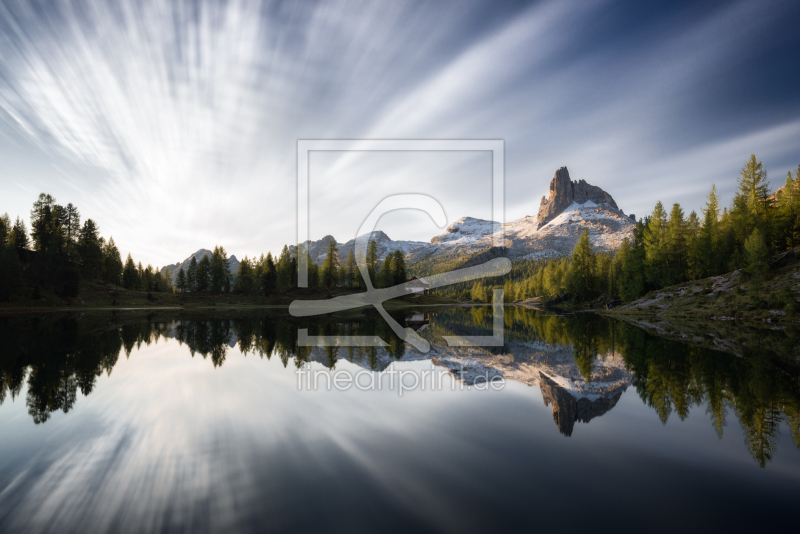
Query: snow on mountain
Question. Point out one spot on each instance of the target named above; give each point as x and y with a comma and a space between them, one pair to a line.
466, 230
572, 207
318, 250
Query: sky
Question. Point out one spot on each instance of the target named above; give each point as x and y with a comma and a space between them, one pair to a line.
174, 125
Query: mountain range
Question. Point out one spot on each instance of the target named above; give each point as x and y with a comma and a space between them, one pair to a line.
570, 208
233, 263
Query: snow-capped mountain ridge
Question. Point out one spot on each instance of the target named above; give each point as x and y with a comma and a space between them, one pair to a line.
571, 208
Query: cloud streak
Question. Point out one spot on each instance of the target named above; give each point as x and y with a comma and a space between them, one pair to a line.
174, 124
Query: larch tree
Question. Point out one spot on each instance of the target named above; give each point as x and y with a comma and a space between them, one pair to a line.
330, 267
181, 281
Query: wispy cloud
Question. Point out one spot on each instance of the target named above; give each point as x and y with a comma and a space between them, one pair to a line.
176, 122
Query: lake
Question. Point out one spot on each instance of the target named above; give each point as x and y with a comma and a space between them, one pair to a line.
220, 421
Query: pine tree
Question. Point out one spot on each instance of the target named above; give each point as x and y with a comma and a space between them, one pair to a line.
191, 275
5, 229
72, 226
675, 247
756, 256
203, 274
351, 270
245, 278
789, 206
655, 247
330, 267
387, 272
219, 273
284, 270
181, 282
19, 237
11, 280
707, 246
631, 257
112, 263
372, 260
400, 275
695, 261
753, 184
269, 277
581, 272
130, 274
90, 249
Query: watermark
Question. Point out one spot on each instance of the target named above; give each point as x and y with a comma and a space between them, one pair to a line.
400, 380
376, 297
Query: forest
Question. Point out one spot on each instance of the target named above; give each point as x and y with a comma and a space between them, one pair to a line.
58, 253
666, 248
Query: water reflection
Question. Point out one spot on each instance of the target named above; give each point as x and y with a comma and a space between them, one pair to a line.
582, 364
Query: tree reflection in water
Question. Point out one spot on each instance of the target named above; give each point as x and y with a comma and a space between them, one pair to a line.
59, 356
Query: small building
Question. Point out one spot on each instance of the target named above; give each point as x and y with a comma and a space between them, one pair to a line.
418, 321
418, 285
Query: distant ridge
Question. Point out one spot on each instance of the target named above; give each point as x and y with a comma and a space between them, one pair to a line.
233, 263
571, 208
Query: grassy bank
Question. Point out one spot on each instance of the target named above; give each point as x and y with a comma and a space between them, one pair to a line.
729, 297
93, 295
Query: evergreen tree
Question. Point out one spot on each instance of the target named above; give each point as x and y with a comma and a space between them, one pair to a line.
387, 272
753, 186
112, 263
181, 281
695, 262
372, 260
130, 275
756, 255
203, 277
191, 275
245, 279
5, 229
708, 246
284, 270
11, 280
675, 247
655, 247
632, 259
43, 223
269, 277
219, 274
330, 267
90, 249
400, 275
789, 206
581, 273
72, 227
351, 270
19, 237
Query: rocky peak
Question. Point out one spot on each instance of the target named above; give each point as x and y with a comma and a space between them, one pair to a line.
564, 192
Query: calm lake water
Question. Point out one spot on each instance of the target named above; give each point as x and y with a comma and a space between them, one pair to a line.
222, 423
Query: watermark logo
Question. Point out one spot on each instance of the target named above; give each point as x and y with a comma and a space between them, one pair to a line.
400, 380
375, 297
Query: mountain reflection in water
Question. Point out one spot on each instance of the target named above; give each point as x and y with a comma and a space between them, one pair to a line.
582, 364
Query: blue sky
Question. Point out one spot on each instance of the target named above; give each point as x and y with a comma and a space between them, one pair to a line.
174, 124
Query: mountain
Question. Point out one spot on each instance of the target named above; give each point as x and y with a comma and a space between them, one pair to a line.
570, 208
318, 250
233, 263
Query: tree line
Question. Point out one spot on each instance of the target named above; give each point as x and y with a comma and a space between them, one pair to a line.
668, 247
267, 276
59, 252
